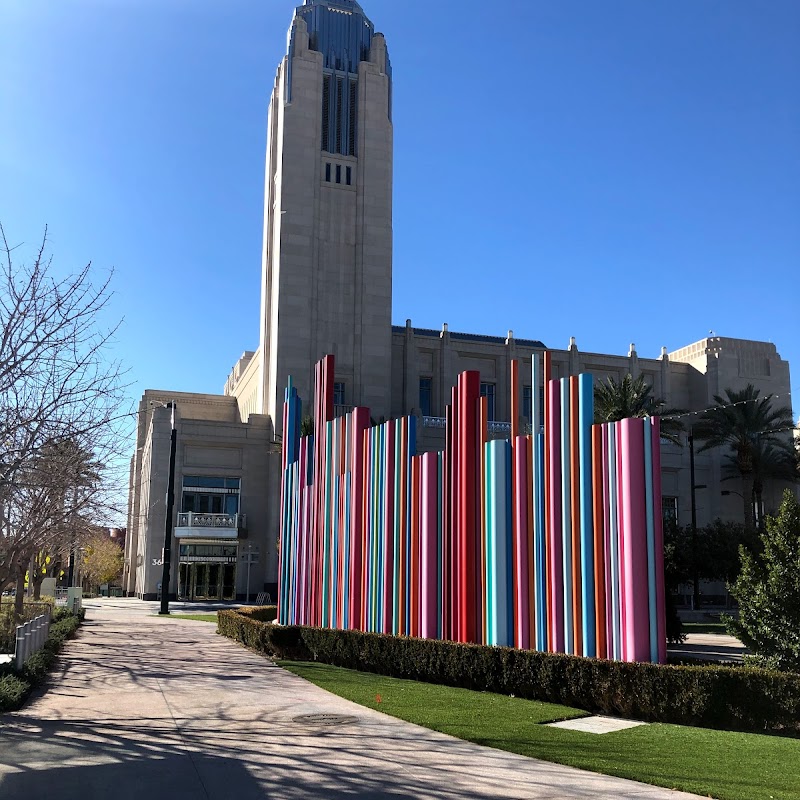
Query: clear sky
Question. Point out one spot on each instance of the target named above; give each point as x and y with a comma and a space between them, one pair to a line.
619, 171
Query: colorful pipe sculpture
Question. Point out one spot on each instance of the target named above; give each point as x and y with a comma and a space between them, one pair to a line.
549, 542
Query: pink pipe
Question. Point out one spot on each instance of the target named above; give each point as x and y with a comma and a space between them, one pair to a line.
634, 534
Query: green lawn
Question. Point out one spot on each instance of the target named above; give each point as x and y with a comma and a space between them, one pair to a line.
720, 764
704, 627
196, 617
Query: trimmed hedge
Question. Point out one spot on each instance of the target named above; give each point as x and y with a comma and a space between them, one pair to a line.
716, 697
15, 687
260, 613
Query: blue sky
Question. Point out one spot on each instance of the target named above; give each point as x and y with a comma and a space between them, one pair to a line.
619, 171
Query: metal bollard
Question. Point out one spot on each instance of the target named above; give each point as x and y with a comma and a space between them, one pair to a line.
18, 648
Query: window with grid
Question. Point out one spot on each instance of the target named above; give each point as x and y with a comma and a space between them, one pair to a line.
488, 391
669, 509
338, 394
425, 391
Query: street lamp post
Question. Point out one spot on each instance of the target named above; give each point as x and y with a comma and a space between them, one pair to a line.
695, 559
249, 564
165, 576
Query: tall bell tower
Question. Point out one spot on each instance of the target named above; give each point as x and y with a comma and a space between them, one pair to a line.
327, 252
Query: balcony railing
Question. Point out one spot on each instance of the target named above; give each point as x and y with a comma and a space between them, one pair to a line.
190, 519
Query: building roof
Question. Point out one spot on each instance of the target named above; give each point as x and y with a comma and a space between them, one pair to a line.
470, 337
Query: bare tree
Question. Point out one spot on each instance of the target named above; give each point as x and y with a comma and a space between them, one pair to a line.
62, 421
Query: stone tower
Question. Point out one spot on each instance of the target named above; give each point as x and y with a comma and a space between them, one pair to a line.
327, 254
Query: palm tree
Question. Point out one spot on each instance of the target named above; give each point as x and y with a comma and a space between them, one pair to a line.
633, 398
307, 426
755, 433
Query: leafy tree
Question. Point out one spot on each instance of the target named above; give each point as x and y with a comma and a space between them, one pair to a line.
102, 560
677, 570
755, 433
768, 592
633, 398
307, 426
718, 549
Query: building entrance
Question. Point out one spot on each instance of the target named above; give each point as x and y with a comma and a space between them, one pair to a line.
207, 582
207, 572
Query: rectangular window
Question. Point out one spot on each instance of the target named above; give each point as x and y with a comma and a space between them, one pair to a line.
328, 173
527, 403
425, 391
351, 150
669, 509
338, 173
339, 114
348, 176
326, 111
208, 482
338, 392
487, 391
203, 494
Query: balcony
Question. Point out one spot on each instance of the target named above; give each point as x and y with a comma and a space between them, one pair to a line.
210, 526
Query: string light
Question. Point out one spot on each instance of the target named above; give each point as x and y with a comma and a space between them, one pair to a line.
733, 405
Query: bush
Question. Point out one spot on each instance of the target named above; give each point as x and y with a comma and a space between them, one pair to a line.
13, 691
9, 622
15, 688
768, 592
717, 697
260, 613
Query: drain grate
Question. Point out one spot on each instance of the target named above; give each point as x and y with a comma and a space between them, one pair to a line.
324, 720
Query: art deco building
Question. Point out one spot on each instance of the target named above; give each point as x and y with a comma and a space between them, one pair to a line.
326, 287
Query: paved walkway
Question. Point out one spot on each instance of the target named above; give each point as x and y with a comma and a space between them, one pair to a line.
146, 707
710, 647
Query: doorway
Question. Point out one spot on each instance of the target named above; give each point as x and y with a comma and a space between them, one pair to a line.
210, 581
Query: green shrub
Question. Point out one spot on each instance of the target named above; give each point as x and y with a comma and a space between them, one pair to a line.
9, 621
768, 592
15, 688
717, 697
260, 613
274, 640
13, 691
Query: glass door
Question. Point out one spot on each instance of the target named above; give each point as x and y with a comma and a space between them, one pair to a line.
229, 582
184, 576
214, 578
200, 582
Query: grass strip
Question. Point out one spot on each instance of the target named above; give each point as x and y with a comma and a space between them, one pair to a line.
705, 627
195, 617
721, 764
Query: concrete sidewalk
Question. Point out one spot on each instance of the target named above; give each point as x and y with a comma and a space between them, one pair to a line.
147, 708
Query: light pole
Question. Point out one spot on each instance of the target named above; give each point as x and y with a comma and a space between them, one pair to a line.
249, 564
695, 561
173, 441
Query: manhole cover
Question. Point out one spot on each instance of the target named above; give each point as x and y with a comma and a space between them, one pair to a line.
324, 719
